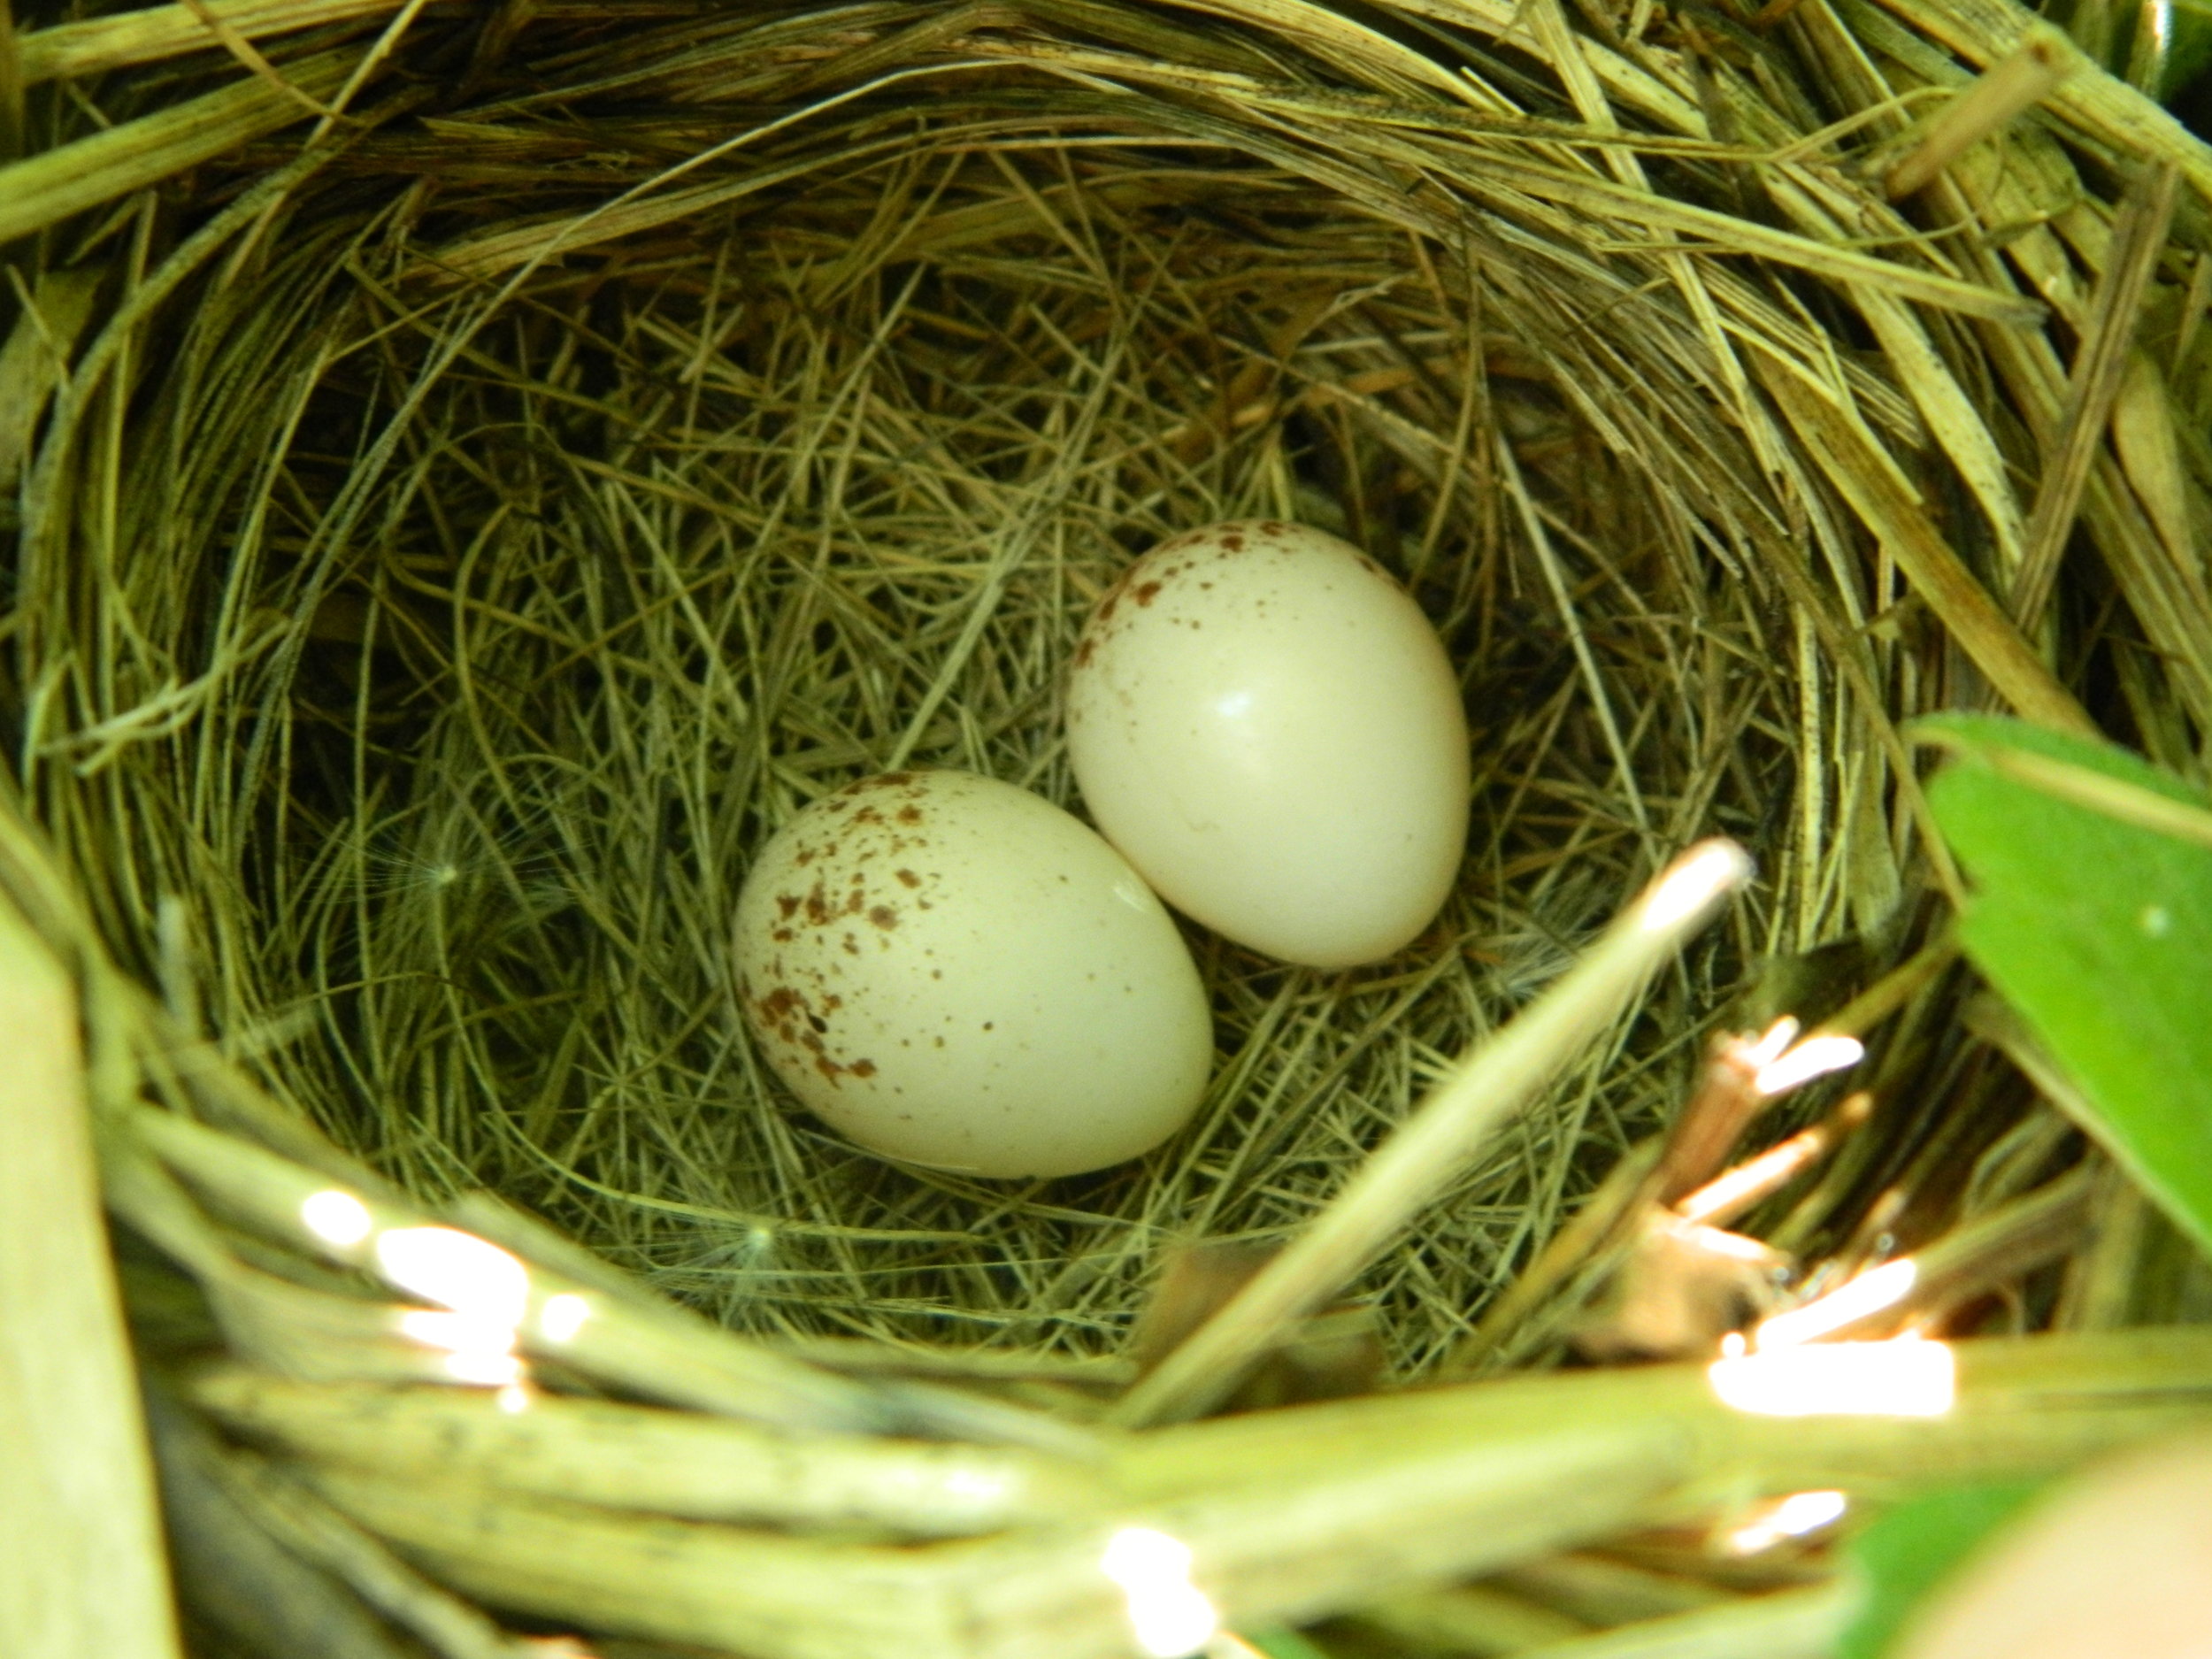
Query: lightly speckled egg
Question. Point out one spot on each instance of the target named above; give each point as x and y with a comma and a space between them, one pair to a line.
1264, 723
954, 971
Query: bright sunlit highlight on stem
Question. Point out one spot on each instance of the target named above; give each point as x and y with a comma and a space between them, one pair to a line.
1816, 1056
485, 1290
1793, 1517
1903, 1378
336, 1218
563, 1316
1868, 1294
457, 1271
1728, 1193
1732, 1247
1698, 878
1171, 1615
1772, 1044
480, 1351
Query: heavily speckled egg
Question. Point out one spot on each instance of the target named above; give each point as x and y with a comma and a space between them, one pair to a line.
953, 971
1268, 728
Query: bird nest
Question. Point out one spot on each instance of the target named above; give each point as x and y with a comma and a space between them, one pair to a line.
498, 464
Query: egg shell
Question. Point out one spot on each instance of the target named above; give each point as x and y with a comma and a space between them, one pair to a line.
1267, 725
2114, 1562
953, 971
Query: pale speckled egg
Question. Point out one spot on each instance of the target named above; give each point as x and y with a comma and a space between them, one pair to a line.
1266, 725
953, 971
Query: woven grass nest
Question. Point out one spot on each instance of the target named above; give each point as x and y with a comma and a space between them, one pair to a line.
479, 472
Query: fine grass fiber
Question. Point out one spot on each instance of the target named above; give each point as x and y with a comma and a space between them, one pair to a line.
477, 518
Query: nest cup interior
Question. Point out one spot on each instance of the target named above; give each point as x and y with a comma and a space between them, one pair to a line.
551, 496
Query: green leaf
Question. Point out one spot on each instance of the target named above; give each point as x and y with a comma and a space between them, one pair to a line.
2191, 53
2097, 928
1914, 1547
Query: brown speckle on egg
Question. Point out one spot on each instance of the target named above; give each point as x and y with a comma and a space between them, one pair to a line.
1153, 705
998, 861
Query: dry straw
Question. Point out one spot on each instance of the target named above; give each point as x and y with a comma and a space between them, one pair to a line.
475, 472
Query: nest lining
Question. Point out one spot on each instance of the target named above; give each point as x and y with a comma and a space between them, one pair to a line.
551, 498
